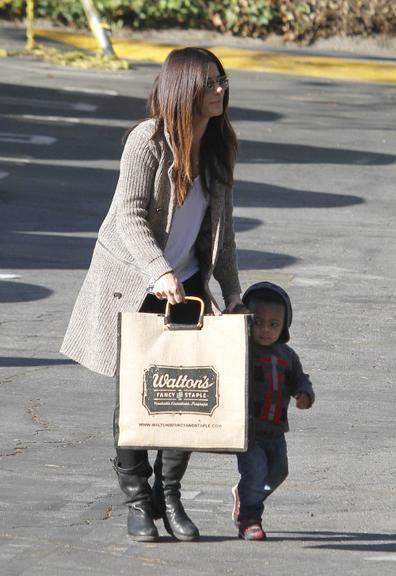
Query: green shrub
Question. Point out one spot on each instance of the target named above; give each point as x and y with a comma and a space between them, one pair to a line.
309, 20
296, 20
68, 12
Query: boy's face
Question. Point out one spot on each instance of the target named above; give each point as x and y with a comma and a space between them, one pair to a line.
269, 318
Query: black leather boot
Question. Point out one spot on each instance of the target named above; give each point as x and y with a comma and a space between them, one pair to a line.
169, 469
157, 499
134, 483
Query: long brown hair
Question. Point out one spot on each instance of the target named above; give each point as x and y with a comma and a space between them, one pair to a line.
176, 95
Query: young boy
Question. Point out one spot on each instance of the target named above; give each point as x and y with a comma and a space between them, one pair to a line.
277, 375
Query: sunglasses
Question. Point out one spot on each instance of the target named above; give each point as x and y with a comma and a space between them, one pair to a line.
222, 81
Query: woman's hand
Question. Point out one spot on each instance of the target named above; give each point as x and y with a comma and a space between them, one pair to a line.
234, 301
170, 288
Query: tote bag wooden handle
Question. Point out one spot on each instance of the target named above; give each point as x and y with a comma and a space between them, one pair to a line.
199, 324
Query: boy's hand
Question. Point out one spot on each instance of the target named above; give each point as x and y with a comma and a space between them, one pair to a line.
302, 401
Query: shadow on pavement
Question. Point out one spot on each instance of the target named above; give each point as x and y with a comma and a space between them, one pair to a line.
52, 206
254, 152
260, 260
22, 99
202, 539
270, 196
252, 115
352, 541
242, 224
21, 292
10, 362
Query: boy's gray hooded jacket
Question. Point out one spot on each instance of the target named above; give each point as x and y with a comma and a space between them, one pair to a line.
278, 373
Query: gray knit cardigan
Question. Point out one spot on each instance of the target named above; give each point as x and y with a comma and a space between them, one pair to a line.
128, 255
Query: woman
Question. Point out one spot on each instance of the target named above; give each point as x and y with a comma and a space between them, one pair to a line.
168, 230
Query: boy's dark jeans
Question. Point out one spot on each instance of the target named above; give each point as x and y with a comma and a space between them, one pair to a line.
262, 468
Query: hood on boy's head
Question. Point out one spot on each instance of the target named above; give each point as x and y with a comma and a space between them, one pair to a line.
264, 291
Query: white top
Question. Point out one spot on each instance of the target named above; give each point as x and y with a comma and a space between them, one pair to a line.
187, 219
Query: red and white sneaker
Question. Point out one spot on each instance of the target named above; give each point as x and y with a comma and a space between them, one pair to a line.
251, 529
237, 505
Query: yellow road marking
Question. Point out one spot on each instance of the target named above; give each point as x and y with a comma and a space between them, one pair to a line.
235, 58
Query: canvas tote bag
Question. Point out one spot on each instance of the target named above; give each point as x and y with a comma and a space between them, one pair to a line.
183, 386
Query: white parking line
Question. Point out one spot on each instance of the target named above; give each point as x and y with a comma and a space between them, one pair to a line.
107, 122
9, 276
13, 160
42, 69
97, 164
58, 234
34, 139
90, 91
48, 104
63, 119
386, 558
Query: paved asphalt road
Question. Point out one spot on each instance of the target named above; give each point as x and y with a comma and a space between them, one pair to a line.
315, 211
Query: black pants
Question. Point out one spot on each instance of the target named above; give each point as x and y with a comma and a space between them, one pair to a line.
180, 314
